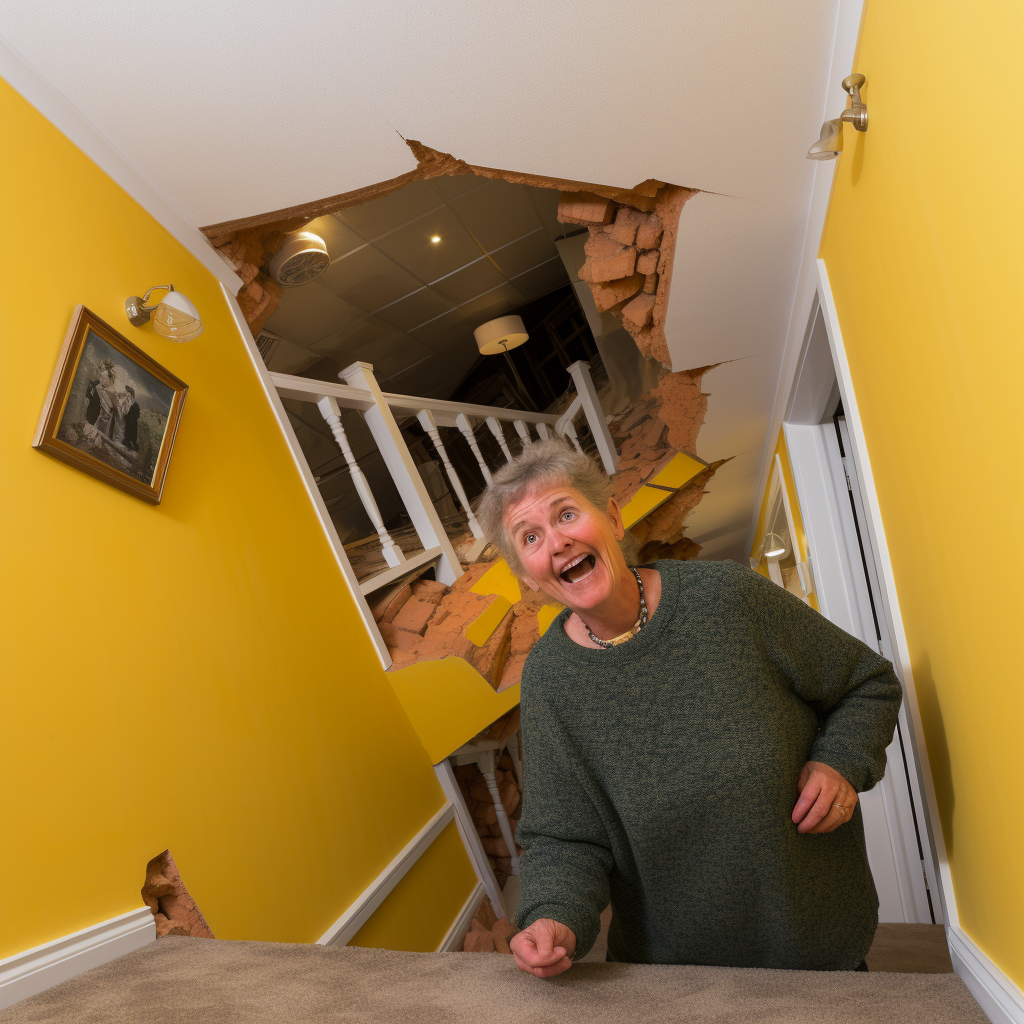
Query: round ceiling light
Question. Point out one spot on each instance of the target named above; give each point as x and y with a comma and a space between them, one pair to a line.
302, 258
501, 335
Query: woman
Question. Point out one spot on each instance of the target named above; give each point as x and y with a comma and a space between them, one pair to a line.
695, 739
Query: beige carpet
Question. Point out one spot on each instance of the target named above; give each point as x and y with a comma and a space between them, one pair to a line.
206, 981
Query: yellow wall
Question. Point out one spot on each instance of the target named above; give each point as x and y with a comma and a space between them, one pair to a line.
923, 247
166, 680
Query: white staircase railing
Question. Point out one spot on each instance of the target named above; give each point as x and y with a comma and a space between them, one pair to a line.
362, 393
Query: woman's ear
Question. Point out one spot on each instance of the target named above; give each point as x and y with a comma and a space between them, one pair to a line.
530, 583
615, 517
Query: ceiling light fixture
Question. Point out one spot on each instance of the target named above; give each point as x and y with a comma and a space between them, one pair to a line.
830, 144
435, 238
773, 546
174, 317
302, 258
497, 337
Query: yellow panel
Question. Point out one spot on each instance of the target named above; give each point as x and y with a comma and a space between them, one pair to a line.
418, 912
499, 579
924, 256
547, 615
154, 693
679, 471
479, 631
643, 503
449, 702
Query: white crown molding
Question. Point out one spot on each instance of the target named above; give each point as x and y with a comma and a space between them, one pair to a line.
456, 935
70, 121
997, 995
35, 970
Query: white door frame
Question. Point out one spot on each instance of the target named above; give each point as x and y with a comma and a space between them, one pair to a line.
824, 484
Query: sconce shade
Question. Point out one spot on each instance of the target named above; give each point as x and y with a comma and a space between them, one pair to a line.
830, 143
176, 319
773, 546
501, 335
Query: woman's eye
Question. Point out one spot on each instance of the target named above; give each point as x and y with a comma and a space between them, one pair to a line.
567, 516
530, 538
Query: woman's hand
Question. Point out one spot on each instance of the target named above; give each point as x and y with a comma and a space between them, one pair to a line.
544, 949
826, 799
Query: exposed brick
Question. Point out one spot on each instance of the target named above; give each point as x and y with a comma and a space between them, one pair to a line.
647, 263
627, 220
637, 313
584, 208
414, 615
648, 235
478, 942
495, 846
650, 284
429, 590
607, 260
608, 294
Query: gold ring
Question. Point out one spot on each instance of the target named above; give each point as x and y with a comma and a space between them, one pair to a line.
840, 807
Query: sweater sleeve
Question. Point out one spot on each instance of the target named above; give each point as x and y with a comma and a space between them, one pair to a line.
566, 853
853, 689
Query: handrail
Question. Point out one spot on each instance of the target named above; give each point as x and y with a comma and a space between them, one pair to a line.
302, 389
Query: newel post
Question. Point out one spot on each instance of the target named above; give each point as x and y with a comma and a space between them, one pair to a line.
580, 372
411, 489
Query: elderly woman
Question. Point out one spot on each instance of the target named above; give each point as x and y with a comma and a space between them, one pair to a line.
695, 740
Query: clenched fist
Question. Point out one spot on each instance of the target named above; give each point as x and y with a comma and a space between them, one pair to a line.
544, 949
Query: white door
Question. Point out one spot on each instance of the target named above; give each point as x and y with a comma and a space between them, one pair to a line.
846, 586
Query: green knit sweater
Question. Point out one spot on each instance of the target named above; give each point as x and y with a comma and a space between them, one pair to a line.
661, 775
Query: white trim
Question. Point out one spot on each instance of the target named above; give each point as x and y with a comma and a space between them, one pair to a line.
936, 862
844, 48
344, 929
413, 562
109, 158
270, 389
997, 995
456, 935
35, 970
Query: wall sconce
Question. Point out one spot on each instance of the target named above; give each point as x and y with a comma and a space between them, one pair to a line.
174, 316
830, 144
773, 546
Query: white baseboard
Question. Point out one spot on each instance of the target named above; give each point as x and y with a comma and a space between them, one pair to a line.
345, 928
35, 970
997, 995
452, 942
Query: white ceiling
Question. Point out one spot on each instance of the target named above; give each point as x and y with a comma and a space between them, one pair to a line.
233, 109
393, 297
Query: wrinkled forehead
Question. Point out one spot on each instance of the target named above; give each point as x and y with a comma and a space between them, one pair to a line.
534, 501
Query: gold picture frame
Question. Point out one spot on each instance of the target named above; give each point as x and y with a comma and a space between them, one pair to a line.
111, 410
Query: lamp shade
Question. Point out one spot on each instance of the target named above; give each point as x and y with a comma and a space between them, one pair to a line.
501, 335
176, 319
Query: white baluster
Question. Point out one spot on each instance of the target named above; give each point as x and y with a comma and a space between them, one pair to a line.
569, 431
331, 412
580, 372
543, 432
427, 422
467, 432
523, 431
499, 436
406, 476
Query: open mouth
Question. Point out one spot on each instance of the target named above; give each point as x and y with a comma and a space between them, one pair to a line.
578, 570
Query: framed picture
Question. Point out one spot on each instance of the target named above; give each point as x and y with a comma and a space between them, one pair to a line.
111, 410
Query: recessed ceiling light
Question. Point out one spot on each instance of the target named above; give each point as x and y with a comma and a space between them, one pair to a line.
435, 238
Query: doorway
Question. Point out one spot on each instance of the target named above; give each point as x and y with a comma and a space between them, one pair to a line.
844, 574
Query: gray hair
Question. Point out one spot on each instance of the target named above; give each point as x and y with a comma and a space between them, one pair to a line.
550, 462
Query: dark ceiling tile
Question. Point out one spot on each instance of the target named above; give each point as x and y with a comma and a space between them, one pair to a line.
415, 309
543, 279
497, 302
411, 246
374, 219
444, 331
338, 238
525, 253
454, 185
469, 282
497, 213
545, 200
369, 279
308, 313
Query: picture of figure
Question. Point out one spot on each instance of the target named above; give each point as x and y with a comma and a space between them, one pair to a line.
111, 408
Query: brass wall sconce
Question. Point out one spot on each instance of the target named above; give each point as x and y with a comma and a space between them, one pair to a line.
174, 317
830, 144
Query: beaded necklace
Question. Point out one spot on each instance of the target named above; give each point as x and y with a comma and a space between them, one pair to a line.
630, 633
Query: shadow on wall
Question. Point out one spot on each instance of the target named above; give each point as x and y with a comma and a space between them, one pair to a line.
938, 748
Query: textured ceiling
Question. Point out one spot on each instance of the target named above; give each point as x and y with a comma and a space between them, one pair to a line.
393, 297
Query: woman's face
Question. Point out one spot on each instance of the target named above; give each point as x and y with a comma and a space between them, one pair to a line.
568, 548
